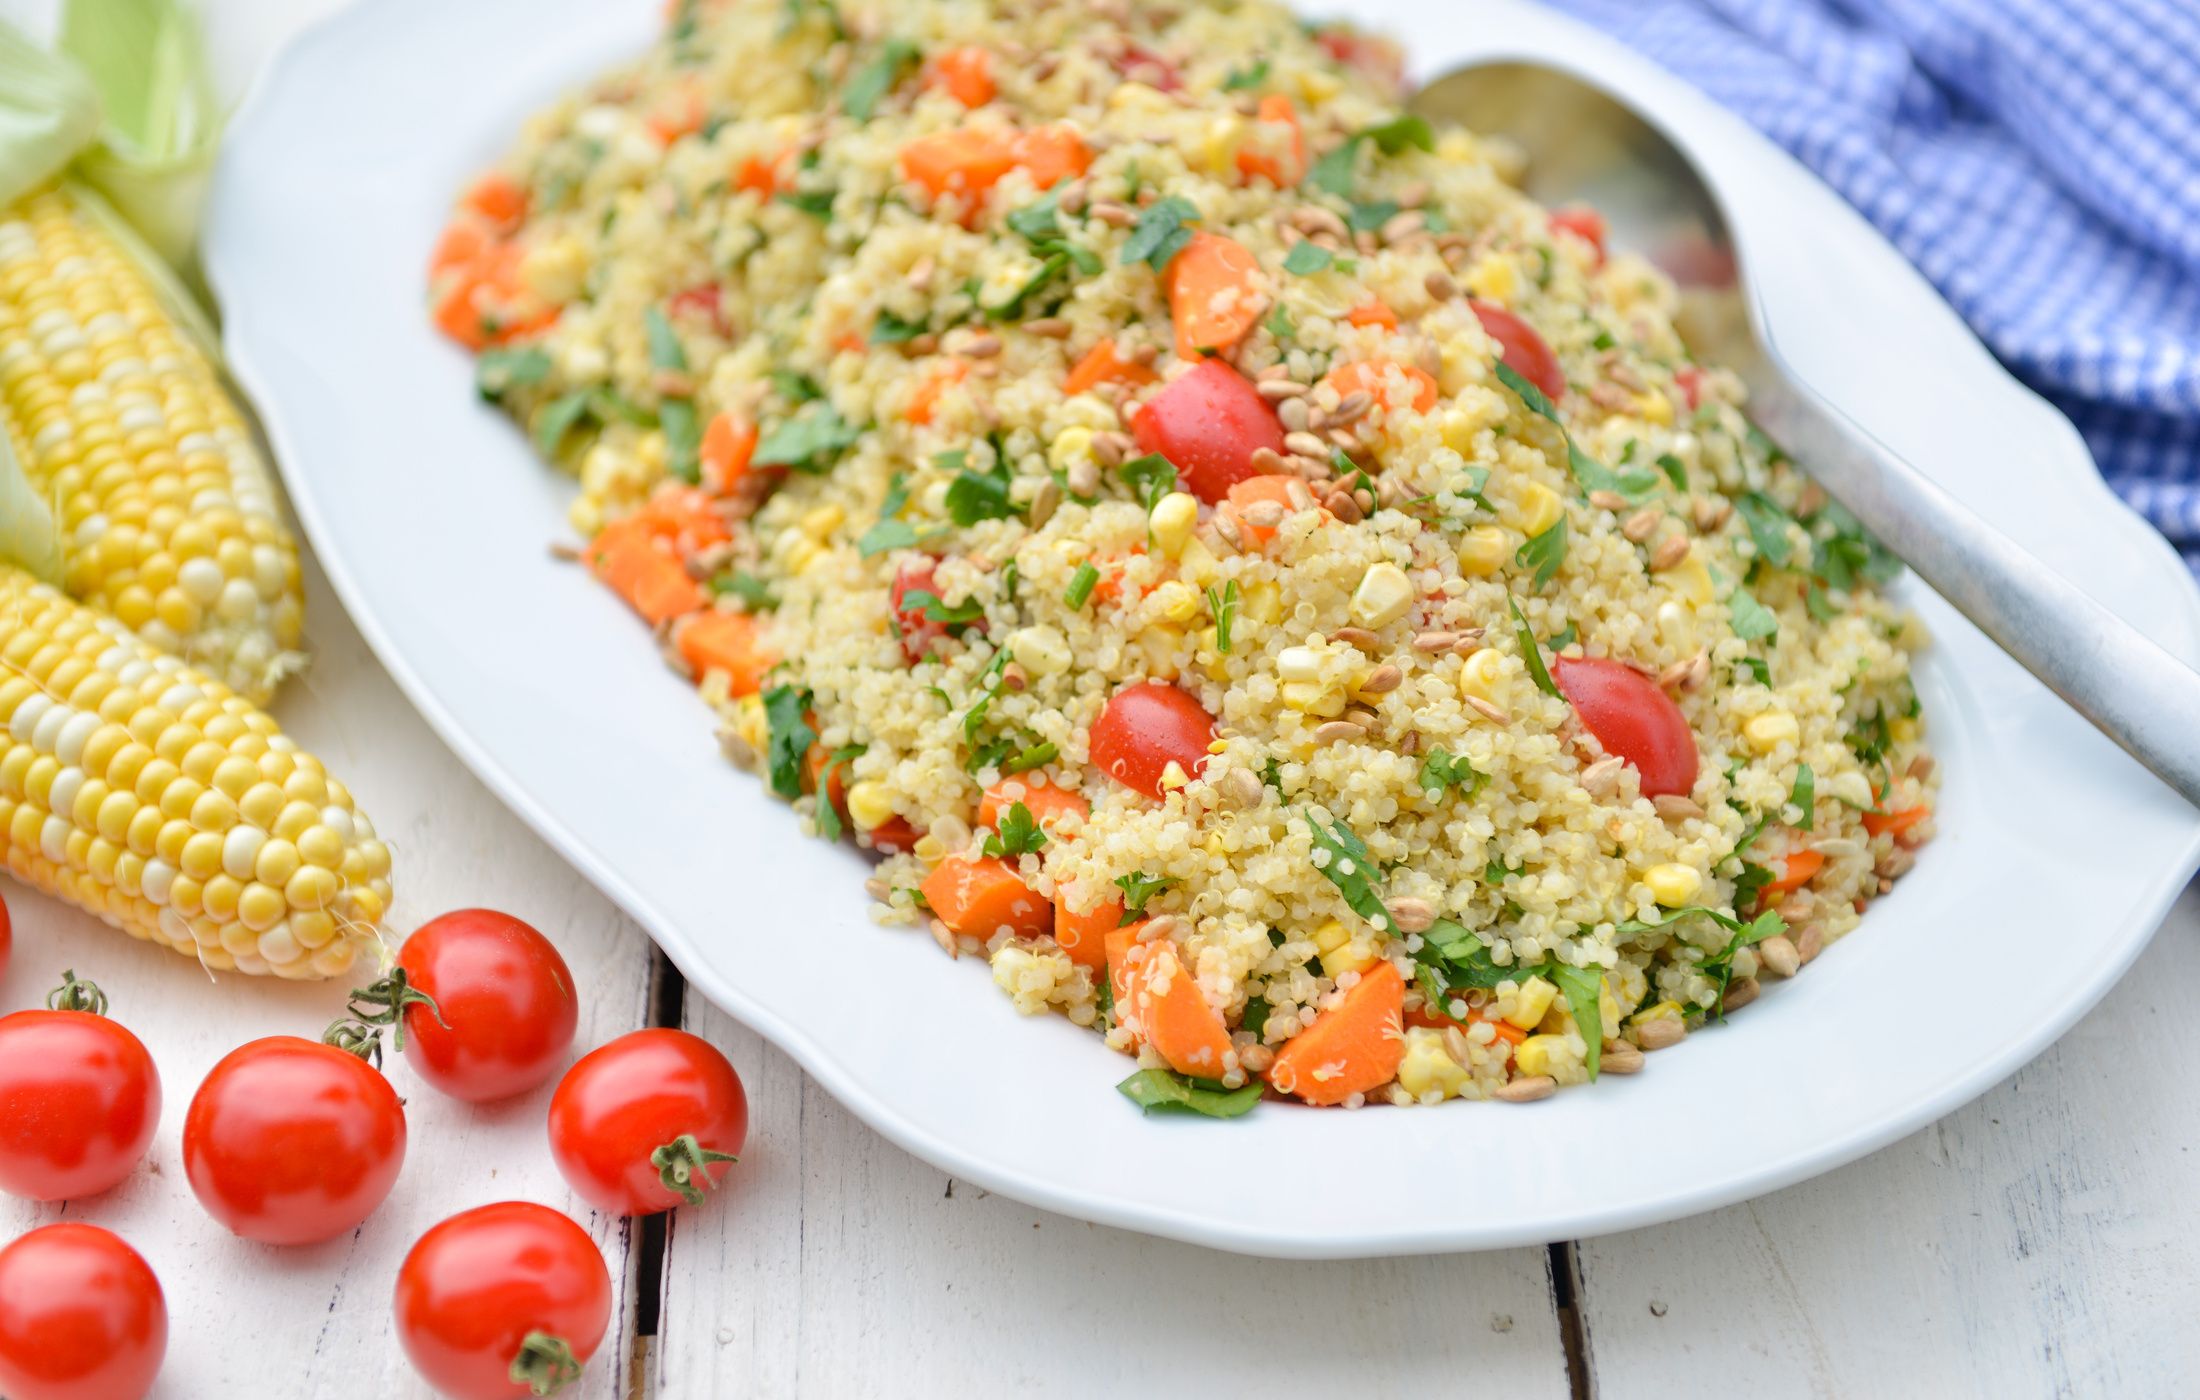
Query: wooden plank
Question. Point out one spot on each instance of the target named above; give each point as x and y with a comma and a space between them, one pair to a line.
838, 1265
246, 1319
2038, 1242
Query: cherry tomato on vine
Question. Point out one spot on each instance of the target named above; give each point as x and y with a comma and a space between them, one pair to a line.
1144, 728
506, 1299
289, 1141
79, 1097
648, 1121
81, 1317
484, 1008
1633, 719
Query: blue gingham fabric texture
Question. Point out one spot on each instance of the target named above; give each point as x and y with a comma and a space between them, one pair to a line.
2039, 160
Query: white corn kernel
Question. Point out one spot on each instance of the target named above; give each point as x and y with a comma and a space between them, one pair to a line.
1263, 603
1384, 595
1298, 664
1673, 884
1174, 518
1040, 649
1771, 729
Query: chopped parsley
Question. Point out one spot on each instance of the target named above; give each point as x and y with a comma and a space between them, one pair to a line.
506, 367
1752, 619
1150, 477
1674, 471
1333, 173
1017, 834
1531, 653
558, 418
1164, 1091
1767, 524
1745, 933
889, 533
887, 328
1240, 79
811, 441
1223, 603
1589, 474
1307, 258
1138, 888
1279, 324
1037, 756
1441, 771
975, 496
953, 616
1080, 585
877, 78
676, 412
1161, 232
786, 715
1584, 989
1804, 797
755, 594
1544, 553
1349, 868
828, 816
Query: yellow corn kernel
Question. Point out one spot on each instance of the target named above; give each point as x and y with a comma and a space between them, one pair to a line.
820, 522
1040, 649
1178, 601
1318, 86
585, 515
1902, 729
1771, 729
870, 804
1311, 697
750, 724
1483, 550
1657, 1009
1492, 278
104, 741
1384, 595
929, 849
1263, 602
1298, 664
1428, 1067
1691, 578
1341, 952
1160, 643
1654, 407
1673, 884
1219, 668
1531, 1001
1174, 518
1331, 935
1534, 1055
1536, 510
1484, 675
1197, 565
1070, 446
1217, 146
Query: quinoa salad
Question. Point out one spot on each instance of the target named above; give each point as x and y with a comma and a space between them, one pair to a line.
1277, 596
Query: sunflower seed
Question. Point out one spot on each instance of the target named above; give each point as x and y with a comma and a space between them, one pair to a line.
1608, 500
1620, 1058
1412, 915
1779, 956
1660, 1031
1669, 552
1739, 993
1638, 527
1337, 731
1439, 285
1526, 1089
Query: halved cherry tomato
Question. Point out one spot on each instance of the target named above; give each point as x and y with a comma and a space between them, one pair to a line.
1633, 719
648, 1121
1583, 223
502, 1300
79, 1097
81, 1317
499, 1008
1689, 380
1146, 727
1520, 347
1367, 54
1140, 64
1208, 421
290, 1141
918, 632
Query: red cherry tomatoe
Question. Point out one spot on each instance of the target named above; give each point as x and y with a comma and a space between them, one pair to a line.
81, 1316
1208, 422
1144, 728
479, 1003
79, 1097
1521, 348
290, 1141
502, 1300
7, 936
648, 1121
1633, 719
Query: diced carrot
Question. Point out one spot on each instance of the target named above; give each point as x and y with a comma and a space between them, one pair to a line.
462, 245
978, 896
627, 556
498, 198
1373, 313
1352, 1048
1274, 486
1052, 154
682, 518
1173, 1013
1101, 365
763, 176
1214, 294
1118, 943
1110, 584
729, 642
1435, 1018
681, 114
1278, 147
1085, 936
964, 161
1374, 376
926, 396
455, 316
965, 74
814, 762
1796, 871
848, 343
1044, 801
484, 302
1881, 823
729, 441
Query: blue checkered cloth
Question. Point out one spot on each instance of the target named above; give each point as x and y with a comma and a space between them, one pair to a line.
2039, 160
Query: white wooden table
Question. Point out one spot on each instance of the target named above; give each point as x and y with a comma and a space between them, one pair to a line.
2043, 1241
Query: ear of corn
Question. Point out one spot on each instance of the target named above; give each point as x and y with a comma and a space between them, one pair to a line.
166, 511
152, 795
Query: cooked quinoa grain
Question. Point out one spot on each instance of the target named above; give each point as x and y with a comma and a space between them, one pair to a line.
1285, 600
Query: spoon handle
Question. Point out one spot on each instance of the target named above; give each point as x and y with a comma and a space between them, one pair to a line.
2107, 670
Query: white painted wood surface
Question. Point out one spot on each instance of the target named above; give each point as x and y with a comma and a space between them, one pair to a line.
2040, 1242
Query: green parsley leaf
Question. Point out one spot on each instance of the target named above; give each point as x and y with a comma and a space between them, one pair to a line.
1544, 553
1150, 477
1080, 585
1441, 771
1138, 888
1531, 653
1752, 619
1016, 834
818, 204
887, 328
503, 368
1584, 989
889, 533
1757, 668
1767, 524
953, 616
795, 387
1395, 135
1161, 233
1241, 79
786, 716
1463, 959
1333, 173
1804, 796
1307, 258
1223, 605
664, 346
975, 496
1037, 756
1163, 1091
877, 78
558, 418
1013, 309
683, 438
1350, 869
1675, 471
811, 441
1255, 1019
1278, 323
1369, 215
1038, 221
755, 594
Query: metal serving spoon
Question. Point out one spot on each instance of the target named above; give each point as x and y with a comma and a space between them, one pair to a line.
1584, 145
